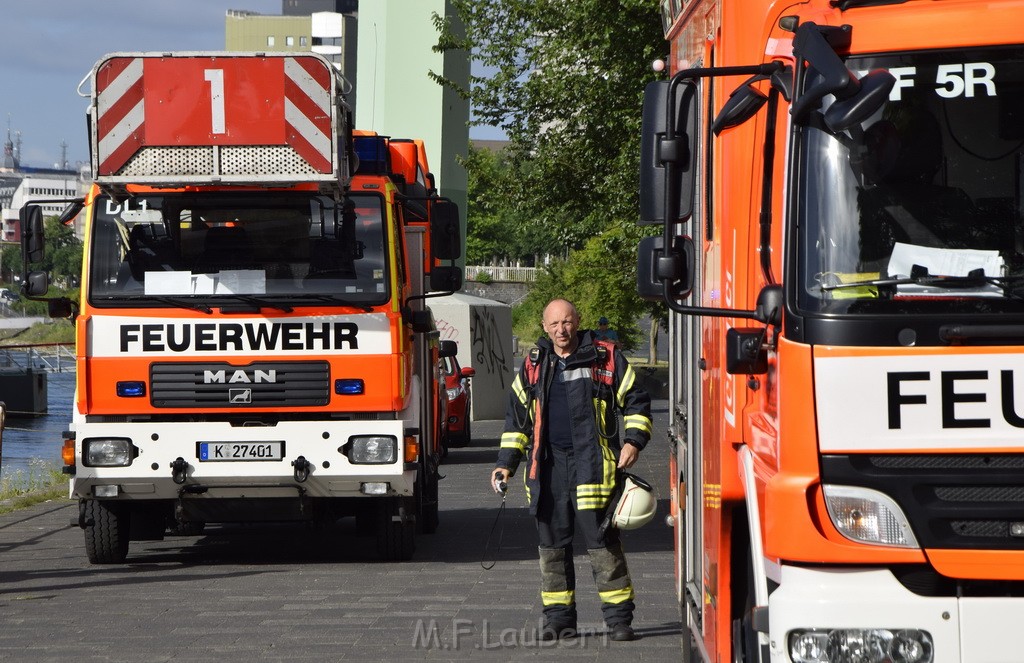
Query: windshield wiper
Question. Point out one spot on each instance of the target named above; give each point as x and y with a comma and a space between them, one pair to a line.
258, 302
974, 279
177, 302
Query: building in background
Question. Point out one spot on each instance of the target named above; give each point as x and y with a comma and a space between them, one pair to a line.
327, 27
19, 186
384, 49
397, 96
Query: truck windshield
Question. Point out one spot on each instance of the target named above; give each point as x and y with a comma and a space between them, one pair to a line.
918, 209
281, 248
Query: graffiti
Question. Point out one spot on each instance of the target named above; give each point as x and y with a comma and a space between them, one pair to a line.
488, 350
449, 332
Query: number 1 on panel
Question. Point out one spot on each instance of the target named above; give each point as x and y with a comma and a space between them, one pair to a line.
216, 80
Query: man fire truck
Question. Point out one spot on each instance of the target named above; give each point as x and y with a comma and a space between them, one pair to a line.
252, 343
841, 190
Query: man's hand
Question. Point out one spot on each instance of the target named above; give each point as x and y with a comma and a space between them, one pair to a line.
499, 475
628, 456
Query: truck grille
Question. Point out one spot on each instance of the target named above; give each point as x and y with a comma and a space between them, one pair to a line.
220, 384
953, 501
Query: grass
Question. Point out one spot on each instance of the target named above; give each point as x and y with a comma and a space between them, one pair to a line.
43, 482
58, 331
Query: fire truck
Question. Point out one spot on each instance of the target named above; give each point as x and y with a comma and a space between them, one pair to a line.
839, 187
252, 340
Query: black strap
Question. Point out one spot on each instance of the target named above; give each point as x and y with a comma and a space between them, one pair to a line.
501, 535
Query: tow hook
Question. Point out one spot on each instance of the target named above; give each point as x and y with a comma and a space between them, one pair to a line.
302, 468
178, 469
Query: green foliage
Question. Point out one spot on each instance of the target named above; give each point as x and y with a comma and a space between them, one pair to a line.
56, 331
493, 231
484, 277
10, 262
62, 256
565, 81
43, 481
600, 279
63, 253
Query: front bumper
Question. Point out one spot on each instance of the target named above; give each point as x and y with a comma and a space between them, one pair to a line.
157, 473
962, 629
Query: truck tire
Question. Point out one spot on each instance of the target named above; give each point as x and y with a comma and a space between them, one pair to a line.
107, 526
396, 530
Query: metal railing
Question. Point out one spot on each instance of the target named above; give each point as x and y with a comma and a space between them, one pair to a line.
47, 357
504, 274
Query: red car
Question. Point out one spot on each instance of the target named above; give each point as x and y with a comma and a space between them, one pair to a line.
457, 386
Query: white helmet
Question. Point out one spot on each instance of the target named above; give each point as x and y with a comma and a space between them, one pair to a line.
636, 506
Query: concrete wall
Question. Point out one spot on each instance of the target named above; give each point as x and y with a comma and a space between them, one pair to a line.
483, 330
506, 293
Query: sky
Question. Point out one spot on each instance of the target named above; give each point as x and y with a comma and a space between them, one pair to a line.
47, 47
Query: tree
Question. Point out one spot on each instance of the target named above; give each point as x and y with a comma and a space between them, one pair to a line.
593, 279
493, 228
565, 82
63, 251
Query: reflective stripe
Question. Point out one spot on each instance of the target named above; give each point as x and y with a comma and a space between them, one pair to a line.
573, 374
559, 598
593, 489
639, 421
593, 496
517, 389
617, 595
513, 441
627, 383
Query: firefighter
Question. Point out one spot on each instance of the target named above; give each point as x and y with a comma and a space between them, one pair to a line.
561, 416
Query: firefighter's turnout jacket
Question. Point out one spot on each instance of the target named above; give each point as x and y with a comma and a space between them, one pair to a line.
598, 380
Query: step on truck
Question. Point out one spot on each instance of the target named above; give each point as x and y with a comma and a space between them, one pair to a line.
252, 342
838, 186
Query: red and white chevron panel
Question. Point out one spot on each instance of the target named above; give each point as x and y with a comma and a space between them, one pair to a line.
120, 112
203, 100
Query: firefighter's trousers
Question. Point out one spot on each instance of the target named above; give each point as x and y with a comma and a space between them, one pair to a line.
556, 515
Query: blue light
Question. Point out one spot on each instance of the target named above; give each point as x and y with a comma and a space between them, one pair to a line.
348, 386
131, 389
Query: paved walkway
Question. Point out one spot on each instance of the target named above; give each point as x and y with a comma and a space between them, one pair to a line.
285, 593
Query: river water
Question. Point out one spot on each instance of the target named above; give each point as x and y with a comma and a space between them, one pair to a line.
40, 437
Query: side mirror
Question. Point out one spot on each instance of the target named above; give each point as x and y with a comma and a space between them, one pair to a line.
59, 308
655, 266
448, 349
468, 371
32, 234
35, 284
445, 233
422, 322
656, 151
743, 103
769, 305
873, 93
71, 211
445, 279
745, 353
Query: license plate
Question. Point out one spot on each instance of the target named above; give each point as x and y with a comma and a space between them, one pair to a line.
241, 451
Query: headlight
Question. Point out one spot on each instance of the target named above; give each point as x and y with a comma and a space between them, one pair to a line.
373, 449
453, 393
860, 645
868, 516
107, 452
